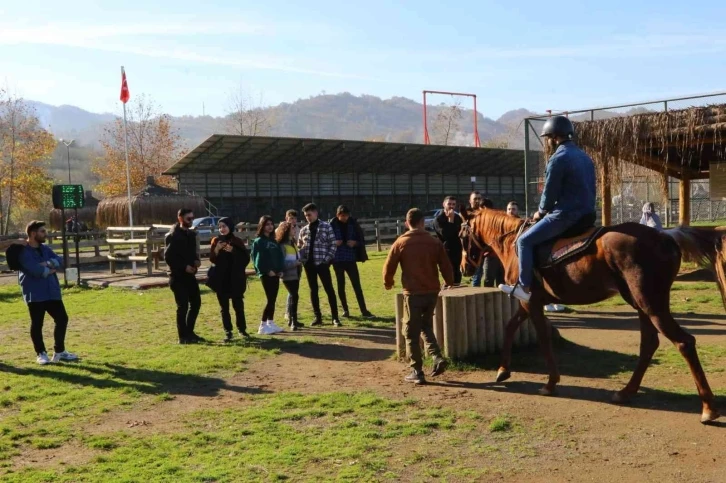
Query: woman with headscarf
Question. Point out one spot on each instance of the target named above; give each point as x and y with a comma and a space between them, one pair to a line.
650, 217
227, 278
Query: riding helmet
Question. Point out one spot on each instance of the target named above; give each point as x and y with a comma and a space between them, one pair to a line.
558, 126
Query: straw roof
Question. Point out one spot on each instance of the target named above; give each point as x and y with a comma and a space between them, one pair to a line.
154, 204
679, 143
87, 214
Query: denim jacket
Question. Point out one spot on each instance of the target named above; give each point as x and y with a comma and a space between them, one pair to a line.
569, 189
36, 281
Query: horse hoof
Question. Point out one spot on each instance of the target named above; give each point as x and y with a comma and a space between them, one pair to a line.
620, 398
545, 391
503, 375
709, 416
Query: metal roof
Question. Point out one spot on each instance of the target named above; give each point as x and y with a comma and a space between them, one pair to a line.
222, 153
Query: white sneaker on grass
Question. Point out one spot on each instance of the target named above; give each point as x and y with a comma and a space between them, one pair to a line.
43, 359
274, 328
64, 356
264, 329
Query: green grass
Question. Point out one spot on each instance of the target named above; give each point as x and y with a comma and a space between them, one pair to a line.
130, 362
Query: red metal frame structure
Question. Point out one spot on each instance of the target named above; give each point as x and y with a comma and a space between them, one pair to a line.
427, 140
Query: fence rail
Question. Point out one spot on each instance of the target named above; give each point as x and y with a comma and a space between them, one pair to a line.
145, 244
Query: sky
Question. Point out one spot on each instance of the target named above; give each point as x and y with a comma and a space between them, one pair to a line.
190, 56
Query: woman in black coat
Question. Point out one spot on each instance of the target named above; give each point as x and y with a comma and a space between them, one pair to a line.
227, 278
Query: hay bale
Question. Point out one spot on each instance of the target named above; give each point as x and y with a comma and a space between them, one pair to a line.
86, 215
654, 139
152, 205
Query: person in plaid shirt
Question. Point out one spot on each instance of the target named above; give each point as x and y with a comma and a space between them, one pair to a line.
317, 251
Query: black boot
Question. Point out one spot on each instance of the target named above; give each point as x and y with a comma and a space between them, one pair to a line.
416, 377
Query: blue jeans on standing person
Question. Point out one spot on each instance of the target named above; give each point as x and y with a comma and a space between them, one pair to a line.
549, 227
476, 279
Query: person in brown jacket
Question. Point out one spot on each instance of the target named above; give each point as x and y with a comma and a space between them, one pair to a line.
421, 257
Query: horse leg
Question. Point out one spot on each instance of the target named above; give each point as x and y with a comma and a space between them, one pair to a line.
686, 345
544, 335
648, 345
512, 325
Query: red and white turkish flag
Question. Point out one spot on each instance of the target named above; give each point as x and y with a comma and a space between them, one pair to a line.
124, 87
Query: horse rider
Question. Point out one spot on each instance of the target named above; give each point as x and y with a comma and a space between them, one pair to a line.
568, 196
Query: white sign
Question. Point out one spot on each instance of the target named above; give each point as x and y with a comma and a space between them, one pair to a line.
473, 179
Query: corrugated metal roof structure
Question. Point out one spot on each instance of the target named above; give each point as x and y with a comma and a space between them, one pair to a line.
223, 153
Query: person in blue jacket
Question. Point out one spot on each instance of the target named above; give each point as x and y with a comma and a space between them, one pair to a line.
41, 291
568, 196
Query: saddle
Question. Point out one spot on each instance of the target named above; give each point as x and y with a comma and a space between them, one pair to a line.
573, 241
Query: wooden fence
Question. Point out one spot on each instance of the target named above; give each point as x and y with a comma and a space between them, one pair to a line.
145, 244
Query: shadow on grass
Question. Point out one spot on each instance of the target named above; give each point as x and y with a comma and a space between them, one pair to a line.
629, 321
572, 360
105, 376
647, 398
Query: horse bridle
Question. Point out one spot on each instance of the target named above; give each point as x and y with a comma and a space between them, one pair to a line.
472, 239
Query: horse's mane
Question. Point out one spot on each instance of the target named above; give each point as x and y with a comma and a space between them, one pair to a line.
492, 225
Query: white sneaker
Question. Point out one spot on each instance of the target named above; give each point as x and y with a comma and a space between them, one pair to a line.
64, 356
515, 292
554, 308
274, 328
264, 329
43, 359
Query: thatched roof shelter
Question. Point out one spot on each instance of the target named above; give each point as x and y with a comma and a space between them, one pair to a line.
682, 144
154, 204
86, 215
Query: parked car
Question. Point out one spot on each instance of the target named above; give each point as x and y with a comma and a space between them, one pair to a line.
206, 225
429, 217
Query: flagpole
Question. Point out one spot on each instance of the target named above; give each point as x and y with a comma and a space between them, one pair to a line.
128, 180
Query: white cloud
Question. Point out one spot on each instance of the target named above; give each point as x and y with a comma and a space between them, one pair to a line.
125, 38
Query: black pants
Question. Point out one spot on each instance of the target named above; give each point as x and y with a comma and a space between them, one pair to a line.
57, 311
293, 288
455, 259
188, 303
272, 287
312, 272
492, 271
351, 268
239, 312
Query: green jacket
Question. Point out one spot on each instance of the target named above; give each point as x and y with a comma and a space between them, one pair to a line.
267, 256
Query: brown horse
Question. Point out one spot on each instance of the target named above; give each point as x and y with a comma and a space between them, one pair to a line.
635, 261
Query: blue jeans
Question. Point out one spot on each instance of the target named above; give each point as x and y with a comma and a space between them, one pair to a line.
476, 279
547, 228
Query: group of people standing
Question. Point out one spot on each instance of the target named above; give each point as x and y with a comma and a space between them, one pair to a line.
279, 255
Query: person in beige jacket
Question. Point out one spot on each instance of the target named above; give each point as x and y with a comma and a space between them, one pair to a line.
421, 257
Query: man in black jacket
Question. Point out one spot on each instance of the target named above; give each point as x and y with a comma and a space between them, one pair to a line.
183, 260
447, 226
351, 249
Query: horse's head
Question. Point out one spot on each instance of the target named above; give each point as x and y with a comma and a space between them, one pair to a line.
473, 251
483, 231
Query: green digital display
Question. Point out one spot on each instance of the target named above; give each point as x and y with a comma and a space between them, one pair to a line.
68, 196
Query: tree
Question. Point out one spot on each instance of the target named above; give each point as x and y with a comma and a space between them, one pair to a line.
154, 145
25, 151
246, 116
446, 124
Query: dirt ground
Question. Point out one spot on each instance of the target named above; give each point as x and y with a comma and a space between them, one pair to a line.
657, 438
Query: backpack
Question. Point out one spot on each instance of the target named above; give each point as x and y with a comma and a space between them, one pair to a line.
12, 256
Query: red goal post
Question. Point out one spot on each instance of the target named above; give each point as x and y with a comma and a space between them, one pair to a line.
427, 139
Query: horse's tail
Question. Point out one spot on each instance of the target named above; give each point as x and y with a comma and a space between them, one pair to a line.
704, 246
